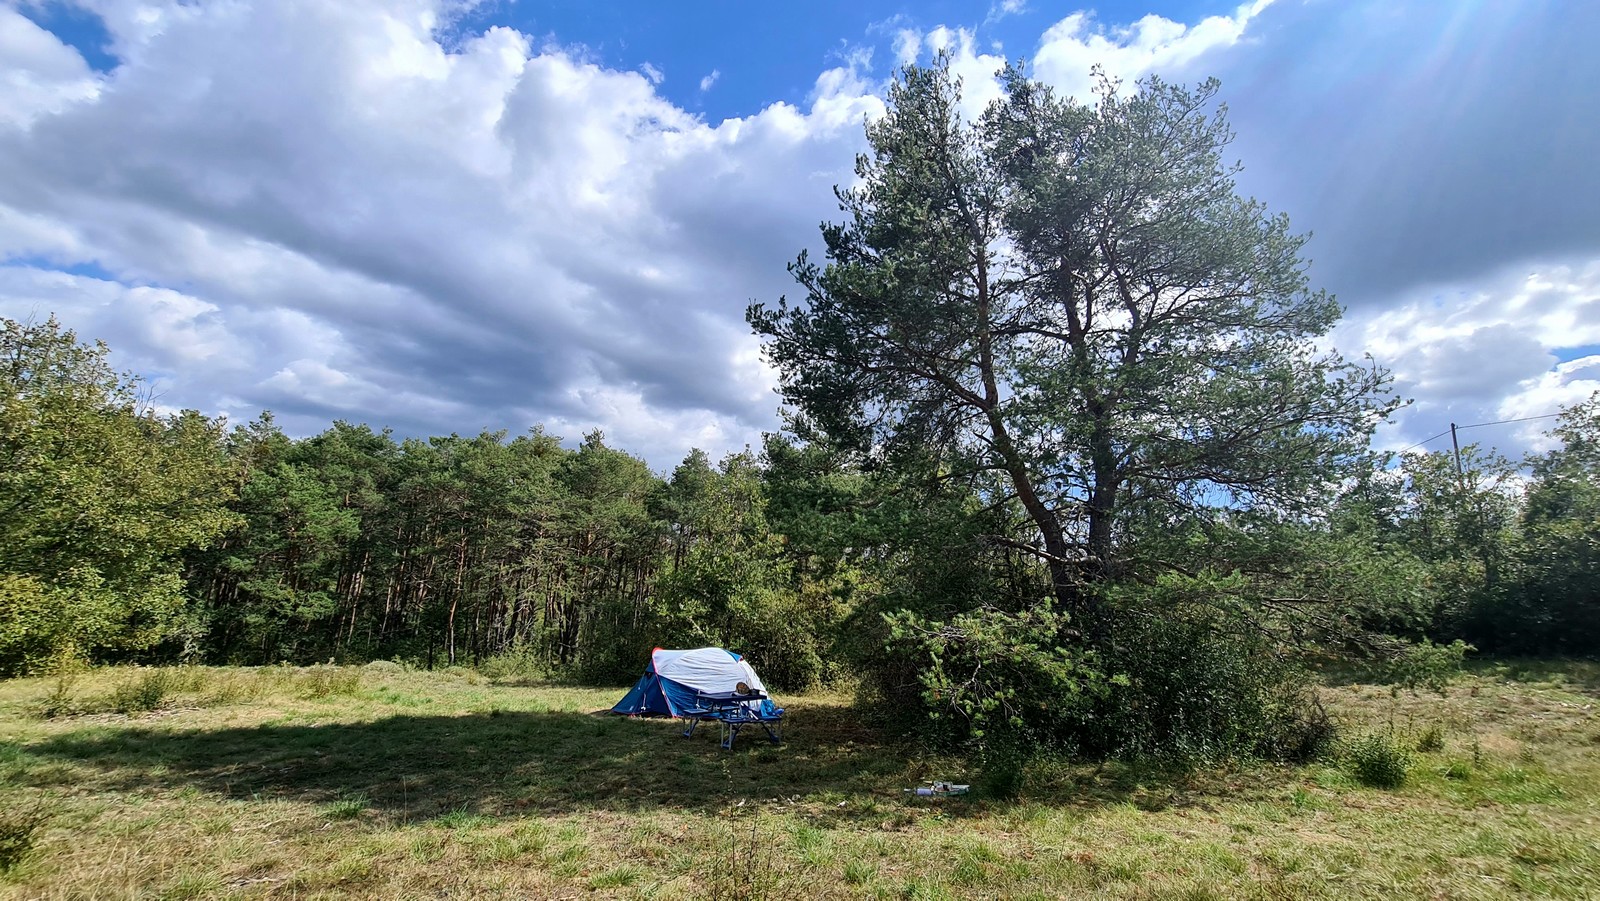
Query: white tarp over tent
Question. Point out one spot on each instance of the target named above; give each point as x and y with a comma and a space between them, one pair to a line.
675, 677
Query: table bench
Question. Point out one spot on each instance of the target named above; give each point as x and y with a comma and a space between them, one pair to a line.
732, 711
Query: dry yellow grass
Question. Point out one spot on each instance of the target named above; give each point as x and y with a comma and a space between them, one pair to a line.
283, 783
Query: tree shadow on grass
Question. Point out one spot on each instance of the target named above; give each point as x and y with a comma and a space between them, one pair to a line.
500, 764
496, 764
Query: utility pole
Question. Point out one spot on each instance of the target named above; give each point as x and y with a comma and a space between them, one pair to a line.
1490, 575
1461, 477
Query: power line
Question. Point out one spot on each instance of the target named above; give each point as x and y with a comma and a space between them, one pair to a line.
1426, 440
1504, 421
1478, 425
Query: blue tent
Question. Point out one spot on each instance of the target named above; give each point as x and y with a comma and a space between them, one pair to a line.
669, 686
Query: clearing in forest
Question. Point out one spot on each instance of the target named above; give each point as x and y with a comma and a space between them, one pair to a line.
381, 783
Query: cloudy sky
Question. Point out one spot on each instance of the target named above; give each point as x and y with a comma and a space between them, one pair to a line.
444, 216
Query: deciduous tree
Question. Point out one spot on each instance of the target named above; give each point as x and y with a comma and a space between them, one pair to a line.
98, 496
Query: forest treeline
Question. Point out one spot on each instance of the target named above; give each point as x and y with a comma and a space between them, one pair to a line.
135, 536
130, 535
1067, 464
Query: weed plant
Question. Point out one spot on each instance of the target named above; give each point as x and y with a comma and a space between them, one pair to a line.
1431, 739
744, 867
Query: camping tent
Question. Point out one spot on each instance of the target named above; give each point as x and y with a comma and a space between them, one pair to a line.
669, 686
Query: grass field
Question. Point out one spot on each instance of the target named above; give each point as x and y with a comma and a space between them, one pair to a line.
383, 783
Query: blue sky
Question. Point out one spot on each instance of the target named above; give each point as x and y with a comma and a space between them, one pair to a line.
442, 216
759, 55
774, 52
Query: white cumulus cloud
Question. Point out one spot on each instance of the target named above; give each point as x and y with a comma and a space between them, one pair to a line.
347, 209
320, 208
1522, 344
1074, 45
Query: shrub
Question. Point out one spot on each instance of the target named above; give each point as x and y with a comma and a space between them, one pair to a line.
1379, 761
1427, 665
1198, 685
1000, 679
1003, 771
1310, 735
1168, 675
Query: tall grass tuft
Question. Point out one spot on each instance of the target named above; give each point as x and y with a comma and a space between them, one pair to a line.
144, 692
326, 680
859, 872
346, 808
59, 700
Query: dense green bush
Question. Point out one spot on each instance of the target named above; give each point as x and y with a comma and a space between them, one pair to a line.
1000, 679
1187, 681
1426, 665
1002, 770
1199, 684
1378, 760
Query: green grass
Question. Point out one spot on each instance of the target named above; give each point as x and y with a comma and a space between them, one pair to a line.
379, 782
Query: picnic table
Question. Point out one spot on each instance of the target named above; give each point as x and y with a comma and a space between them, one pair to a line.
732, 711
